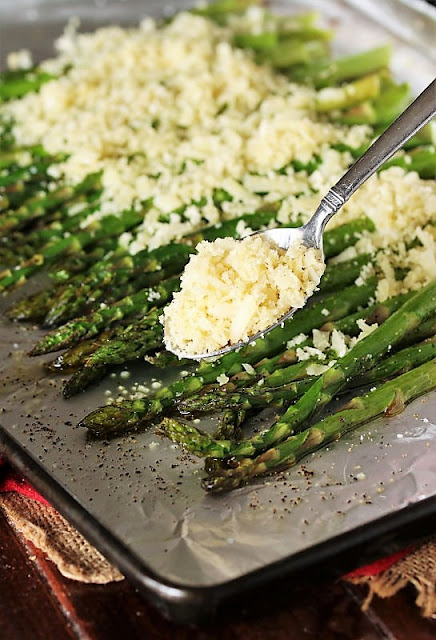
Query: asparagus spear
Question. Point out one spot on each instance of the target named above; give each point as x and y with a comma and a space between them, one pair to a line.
164, 359
72, 359
293, 51
42, 239
374, 314
348, 95
13, 158
34, 172
422, 160
36, 306
423, 331
358, 360
399, 363
267, 41
110, 225
427, 135
116, 279
17, 194
132, 415
287, 387
16, 85
343, 273
331, 72
254, 221
388, 400
107, 248
230, 424
257, 41
393, 100
89, 326
40, 205
268, 370
75, 357
346, 235
7, 139
131, 343
245, 399
33, 307
380, 111
362, 113
222, 8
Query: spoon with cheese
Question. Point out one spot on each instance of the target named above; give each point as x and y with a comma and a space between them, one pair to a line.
235, 291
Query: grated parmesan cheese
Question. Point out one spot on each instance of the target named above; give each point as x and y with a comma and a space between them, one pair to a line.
321, 339
172, 113
339, 343
18, 60
296, 341
316, 369
231, 290
248, 368
222, 379
175, 112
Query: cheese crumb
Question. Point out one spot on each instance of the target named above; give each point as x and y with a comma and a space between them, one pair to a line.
365, 329
321, 339
222, 379
18, 60
232, 290
316, 369
248, 368
339, 344
294, 342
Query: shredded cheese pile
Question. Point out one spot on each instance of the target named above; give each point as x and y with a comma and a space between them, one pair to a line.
174, 112
232, 290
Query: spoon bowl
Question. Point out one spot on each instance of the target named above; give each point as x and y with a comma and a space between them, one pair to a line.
283, 238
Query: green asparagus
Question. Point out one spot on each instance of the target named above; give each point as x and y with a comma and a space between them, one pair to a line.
131, 343
362, 357
133, 415
388, 400
40, 205
89, 326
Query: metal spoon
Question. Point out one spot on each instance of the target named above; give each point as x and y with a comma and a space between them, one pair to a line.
311, 234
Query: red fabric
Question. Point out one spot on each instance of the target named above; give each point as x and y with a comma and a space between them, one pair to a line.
12, 481
379, 565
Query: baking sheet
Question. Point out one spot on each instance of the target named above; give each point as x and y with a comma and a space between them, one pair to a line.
143, 489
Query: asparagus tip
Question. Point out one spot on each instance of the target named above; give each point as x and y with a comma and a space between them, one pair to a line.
110, 420
221, 484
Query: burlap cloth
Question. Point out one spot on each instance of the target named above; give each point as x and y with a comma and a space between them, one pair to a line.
73, 555
79, 560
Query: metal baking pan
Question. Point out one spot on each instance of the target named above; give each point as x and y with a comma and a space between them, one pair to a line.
139, 499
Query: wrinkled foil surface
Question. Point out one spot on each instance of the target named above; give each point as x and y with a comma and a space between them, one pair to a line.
143, 488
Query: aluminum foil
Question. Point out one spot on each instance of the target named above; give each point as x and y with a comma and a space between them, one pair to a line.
144, 489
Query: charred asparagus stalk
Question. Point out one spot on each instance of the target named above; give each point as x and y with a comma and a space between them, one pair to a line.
131, 343
88, 326
364, 355
133, 415
283, 394
388, 400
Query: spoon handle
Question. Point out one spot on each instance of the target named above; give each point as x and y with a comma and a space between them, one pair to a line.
405, 126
